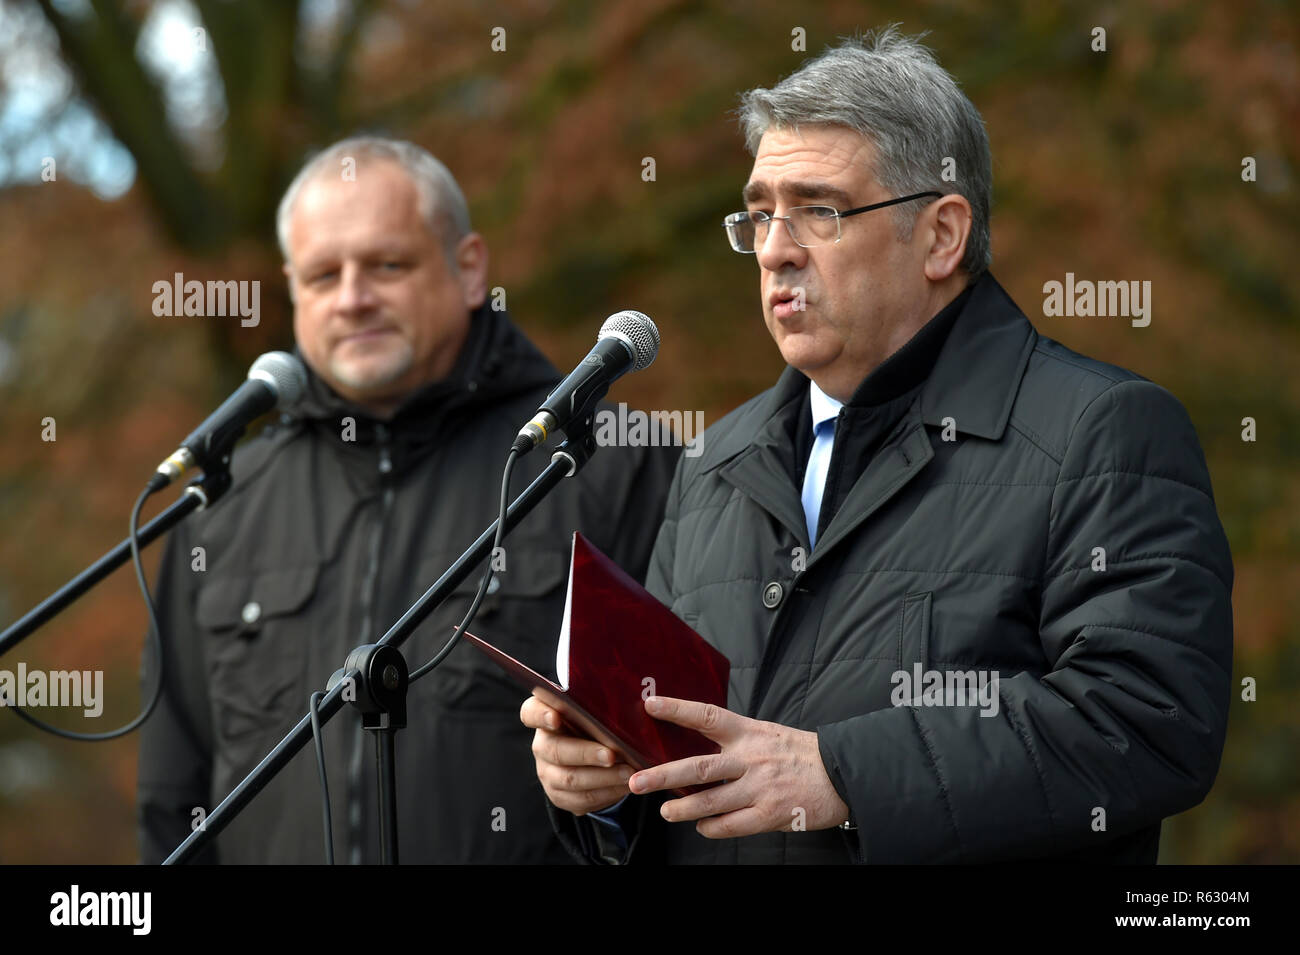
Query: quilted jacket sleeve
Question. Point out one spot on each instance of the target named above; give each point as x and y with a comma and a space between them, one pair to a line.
1128, 724
176, 741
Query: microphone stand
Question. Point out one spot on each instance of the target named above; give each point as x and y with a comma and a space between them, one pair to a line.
199, 494
378, 673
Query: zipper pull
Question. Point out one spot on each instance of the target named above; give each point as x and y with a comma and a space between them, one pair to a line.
385, 459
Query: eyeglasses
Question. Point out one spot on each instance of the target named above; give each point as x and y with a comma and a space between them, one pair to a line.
809, 226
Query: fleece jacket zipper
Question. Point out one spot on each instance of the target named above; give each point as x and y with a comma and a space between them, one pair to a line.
358, 778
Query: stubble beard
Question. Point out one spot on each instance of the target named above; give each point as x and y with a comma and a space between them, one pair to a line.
366, 373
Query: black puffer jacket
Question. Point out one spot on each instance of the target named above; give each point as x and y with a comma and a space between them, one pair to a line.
326, 538
1021, 510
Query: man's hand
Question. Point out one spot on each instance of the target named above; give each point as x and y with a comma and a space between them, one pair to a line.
578, 774
774, 771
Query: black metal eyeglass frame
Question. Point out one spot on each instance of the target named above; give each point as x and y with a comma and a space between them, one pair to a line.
727, 223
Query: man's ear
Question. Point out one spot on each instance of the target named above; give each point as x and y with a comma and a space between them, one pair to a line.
948, 224
472, 265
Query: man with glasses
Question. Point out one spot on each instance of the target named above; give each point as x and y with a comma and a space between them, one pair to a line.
972, 584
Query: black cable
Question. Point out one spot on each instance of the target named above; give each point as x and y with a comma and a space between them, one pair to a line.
155, 637
487, 577
316, 736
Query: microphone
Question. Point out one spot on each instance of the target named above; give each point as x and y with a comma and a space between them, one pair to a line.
276, 380
628, 341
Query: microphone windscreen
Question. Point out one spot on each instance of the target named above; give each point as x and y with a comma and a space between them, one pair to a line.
284, 373
638, 331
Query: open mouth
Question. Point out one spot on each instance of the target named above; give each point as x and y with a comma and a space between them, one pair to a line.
786, 303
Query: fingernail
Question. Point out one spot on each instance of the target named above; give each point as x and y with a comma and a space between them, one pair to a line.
625, 774
636, 784
652, 705
606, 757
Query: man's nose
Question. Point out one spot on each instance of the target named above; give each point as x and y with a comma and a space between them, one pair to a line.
355, 291
779, 248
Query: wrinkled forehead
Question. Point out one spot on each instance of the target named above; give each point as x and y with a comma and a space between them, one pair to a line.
832, 163
379, 202
377, 183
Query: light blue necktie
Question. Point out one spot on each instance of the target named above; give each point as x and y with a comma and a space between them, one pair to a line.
814, 479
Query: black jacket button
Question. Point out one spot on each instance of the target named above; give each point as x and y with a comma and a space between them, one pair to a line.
772, 595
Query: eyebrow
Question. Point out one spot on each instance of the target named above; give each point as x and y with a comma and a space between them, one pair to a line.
799, 189
388, 248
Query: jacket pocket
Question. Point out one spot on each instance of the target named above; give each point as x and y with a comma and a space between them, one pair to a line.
529, 573
255, 649
914, 631
520, 615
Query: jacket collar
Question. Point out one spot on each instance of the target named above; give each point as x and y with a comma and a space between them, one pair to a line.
977, 375
497, 362
974, 380
496, 365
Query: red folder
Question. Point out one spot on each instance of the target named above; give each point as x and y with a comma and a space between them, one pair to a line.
615, 639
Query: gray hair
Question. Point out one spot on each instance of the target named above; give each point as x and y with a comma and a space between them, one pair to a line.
890, 88
442, 204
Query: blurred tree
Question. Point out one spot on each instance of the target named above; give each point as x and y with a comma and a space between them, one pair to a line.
276, 104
